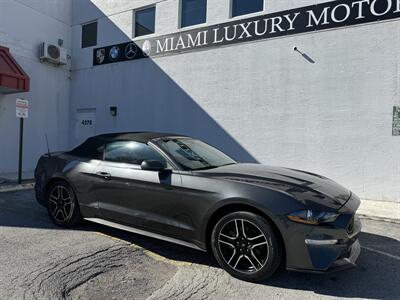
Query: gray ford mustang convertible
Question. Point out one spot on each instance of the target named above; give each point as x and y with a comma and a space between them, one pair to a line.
253, 218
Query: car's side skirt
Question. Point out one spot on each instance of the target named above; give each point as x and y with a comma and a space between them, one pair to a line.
144, 232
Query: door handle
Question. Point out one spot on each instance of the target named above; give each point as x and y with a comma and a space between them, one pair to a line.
105, 175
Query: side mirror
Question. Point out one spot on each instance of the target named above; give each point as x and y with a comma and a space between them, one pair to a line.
153, 165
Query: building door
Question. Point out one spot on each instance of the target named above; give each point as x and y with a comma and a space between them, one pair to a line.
85, 125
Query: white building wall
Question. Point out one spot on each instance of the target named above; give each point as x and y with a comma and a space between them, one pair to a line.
259, 101
23, 26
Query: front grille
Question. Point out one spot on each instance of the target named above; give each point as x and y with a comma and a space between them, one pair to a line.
350, 227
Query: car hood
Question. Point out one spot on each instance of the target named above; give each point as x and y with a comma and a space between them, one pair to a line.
299, 183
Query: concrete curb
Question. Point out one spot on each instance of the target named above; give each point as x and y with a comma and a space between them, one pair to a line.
4, 188
382, 210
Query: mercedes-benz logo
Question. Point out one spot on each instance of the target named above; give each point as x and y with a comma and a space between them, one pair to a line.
130, 51
114, 53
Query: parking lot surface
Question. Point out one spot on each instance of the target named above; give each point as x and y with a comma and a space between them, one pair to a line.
41, 261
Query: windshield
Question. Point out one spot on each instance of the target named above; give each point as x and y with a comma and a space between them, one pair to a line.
193, 154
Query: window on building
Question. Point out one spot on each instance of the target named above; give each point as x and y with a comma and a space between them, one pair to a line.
89, 35
193, 12
244, 7
131, 153
145, 20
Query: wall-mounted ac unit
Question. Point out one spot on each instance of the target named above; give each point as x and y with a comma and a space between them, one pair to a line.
53, 54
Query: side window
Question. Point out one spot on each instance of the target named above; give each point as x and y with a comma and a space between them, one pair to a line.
91, 148
89, 35
244, 7
193, 12
145, 21
131, 153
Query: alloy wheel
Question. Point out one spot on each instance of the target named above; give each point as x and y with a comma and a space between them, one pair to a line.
61, 205
243, 246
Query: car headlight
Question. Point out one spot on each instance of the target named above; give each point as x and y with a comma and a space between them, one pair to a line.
312, 217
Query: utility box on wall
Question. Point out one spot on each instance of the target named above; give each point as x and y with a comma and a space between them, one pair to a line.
396, 121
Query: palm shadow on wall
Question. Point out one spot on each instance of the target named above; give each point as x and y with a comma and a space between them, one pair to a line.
148, 99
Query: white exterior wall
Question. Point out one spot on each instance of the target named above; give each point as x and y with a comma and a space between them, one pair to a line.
259, 101
24, 24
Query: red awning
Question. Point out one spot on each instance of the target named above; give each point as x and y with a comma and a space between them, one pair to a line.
13, 79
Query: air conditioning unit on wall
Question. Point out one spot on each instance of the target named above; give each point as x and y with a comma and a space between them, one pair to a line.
53, 54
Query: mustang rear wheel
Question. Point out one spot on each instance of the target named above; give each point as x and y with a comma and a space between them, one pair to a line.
245, 245
62, 205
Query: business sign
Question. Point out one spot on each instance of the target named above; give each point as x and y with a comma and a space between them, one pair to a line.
117, 53
22, 108
318, 17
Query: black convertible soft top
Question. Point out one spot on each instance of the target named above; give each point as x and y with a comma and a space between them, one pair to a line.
93, 147
142, 137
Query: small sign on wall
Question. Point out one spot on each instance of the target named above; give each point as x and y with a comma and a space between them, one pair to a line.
396, 121
22, 108
85, 124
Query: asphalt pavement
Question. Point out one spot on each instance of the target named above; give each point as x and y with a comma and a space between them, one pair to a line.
41, 261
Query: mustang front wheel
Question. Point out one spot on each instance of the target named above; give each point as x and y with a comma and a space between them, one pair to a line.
245, 245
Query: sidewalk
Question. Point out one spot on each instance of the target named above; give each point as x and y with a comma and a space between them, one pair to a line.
12, 186
382, 210
12, 177
8, 182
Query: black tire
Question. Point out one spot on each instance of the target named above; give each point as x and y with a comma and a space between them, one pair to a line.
240, 254
62, 205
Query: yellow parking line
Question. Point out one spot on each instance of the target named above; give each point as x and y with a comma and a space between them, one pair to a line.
161, 258
112, 237
149, 253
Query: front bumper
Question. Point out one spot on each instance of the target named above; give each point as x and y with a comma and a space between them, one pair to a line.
346, 262
324, 257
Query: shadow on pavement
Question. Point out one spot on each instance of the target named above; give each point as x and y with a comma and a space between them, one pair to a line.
375, 277
377, 274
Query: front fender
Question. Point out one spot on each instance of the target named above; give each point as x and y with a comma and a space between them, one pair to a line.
272, 205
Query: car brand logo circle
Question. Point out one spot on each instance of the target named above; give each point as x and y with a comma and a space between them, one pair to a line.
146, 48
114, 53
130, 51
100, 55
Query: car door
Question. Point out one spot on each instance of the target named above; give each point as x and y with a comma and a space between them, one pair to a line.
132, 196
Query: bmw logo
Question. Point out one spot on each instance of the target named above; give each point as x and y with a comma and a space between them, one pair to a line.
114, 53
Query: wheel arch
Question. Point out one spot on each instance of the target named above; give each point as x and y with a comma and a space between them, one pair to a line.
234, 207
